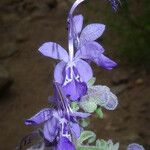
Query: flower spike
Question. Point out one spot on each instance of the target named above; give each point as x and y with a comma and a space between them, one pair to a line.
74, 90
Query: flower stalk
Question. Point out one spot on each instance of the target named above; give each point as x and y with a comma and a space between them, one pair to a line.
74, 89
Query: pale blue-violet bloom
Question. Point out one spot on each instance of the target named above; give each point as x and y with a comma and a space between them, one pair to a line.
59, 124
135, 146
73, 72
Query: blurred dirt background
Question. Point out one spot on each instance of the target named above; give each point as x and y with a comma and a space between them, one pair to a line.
25, 75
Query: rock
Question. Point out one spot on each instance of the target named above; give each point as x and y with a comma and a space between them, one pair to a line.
7, 49
20, 38
120, 77
132, 137
51, 3
139, 81
5, 79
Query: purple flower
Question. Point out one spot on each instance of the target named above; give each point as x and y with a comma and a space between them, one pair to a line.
71, 73
60, 123
135, 146
114, 4
56, 126
65, 144
86, 45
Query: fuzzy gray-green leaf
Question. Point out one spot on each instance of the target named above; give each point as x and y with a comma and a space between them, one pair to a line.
91, 81
84, 122
88, 136
99, 113
88, 106
75, 106
87, 148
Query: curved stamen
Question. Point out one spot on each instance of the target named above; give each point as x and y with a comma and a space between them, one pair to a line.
71, 30
75, 5
63, 101
70, 37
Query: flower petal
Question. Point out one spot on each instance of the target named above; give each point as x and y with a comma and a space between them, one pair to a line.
103, 97
51, 100
112, 103
75, 129
84, 70
54, 50
75, 89
93, 51
51, 129
135, 146
40, 117
65, 144
58, 72
105, 62
60, 97
91, 32
90, 51
78, 22
80, 114
97, 94
115, 4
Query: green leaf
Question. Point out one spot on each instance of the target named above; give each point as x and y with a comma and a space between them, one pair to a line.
102, 144
88, 106
88, 136
91, 81
99, 113
98, 143
115, 146
84, 122
87, 148
112, 146
75, 106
